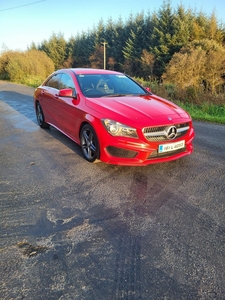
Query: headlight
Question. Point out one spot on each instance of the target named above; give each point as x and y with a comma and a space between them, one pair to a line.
118, 129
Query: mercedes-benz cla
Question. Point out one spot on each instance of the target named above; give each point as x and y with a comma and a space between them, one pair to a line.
113, 118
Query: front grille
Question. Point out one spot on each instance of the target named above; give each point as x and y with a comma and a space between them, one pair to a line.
122, 153
159, 134
155, 153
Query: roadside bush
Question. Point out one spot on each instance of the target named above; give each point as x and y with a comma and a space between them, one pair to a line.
4, 61
191, 95
30, 67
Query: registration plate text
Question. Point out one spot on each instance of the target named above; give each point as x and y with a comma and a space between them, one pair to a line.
171, 146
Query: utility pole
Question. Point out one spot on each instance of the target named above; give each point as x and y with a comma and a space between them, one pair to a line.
104, 44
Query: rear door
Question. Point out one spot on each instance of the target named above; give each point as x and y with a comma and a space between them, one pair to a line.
49, 91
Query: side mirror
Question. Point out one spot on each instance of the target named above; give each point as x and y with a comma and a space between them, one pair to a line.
67, 93
148, 89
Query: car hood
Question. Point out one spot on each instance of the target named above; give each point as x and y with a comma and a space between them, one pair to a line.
142, 110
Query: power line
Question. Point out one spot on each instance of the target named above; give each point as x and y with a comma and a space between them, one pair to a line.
22, 5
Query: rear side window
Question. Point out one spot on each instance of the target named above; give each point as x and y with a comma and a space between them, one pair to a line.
54, 81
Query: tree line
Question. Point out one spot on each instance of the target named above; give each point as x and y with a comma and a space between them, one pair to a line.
176, 46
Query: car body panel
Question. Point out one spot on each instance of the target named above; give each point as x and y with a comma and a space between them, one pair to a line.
137, 111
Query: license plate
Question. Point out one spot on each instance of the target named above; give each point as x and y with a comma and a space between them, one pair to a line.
171, 146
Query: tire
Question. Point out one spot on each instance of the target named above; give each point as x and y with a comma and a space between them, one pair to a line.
40, 116
89, 143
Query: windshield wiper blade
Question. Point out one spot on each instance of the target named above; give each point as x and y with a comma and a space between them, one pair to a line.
124, 95
114, 95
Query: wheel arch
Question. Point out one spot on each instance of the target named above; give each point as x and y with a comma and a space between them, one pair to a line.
40, 115
93, 123
82, 125
36, 101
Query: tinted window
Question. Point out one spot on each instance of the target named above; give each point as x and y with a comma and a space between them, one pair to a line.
54, 81
100, 85
66, 82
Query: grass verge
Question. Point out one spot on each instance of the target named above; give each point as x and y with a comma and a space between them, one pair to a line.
205, 112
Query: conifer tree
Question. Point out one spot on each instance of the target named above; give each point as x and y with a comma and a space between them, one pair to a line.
55, 48
83, 48
134, 46
162, 41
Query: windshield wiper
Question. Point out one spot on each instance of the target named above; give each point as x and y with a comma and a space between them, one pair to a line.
114, 95
124, 95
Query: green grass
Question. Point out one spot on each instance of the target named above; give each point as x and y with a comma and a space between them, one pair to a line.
205, 111
33, 81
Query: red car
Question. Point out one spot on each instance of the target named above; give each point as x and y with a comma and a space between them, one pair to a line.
113, 118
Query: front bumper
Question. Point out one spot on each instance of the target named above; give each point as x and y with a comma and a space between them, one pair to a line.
131, 152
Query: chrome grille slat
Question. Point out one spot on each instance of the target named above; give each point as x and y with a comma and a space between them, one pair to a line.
158, 134
183, 129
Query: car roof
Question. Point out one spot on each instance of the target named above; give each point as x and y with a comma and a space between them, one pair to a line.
80, 71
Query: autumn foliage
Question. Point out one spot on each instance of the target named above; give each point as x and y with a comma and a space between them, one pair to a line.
25, 67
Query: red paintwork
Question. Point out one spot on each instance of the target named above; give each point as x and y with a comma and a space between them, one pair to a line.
68, 114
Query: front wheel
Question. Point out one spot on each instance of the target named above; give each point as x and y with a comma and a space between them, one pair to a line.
40, 116
89, 143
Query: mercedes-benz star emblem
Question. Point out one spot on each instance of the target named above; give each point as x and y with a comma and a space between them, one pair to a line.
171, 132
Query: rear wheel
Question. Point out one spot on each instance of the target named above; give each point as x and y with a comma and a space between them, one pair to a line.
89, 143
40, 116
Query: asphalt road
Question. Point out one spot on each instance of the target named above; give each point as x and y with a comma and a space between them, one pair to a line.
74, 230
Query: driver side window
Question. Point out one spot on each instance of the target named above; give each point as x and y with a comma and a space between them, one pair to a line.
66, 82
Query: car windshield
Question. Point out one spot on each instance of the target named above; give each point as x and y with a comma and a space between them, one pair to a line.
109, 85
